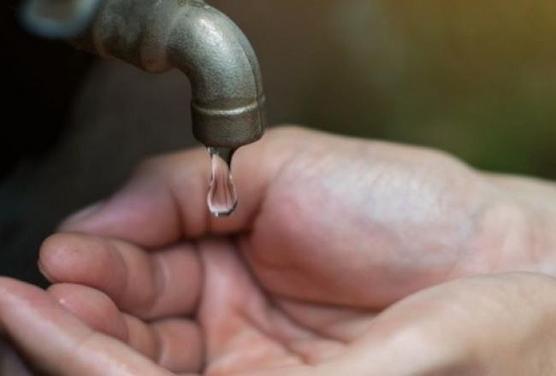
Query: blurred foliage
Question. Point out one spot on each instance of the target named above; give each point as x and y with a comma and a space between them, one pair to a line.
474, 77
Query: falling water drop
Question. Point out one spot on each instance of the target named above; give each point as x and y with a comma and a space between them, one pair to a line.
222, 196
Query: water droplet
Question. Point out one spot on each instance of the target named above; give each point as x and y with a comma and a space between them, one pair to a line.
222, 196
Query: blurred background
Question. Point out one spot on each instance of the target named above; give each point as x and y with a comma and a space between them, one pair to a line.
476, 78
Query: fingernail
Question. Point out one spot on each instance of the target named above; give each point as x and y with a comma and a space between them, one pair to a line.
43, 271
81, 215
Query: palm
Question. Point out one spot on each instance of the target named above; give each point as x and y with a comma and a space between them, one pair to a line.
344, 230
248, 330
319, 262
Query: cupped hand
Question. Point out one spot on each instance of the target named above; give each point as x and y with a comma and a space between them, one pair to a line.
492, 325
329, 233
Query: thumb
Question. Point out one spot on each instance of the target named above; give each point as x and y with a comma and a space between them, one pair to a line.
500, 323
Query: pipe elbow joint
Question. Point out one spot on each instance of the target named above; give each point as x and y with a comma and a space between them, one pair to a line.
228, 99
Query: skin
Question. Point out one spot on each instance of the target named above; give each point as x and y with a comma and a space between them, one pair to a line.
344, 257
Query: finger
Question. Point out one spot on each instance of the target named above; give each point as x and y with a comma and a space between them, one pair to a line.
166, 198
11, 362
93, 308
146, 284
174, 344
57, 342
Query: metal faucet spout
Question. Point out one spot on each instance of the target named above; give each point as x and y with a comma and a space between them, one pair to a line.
158, 35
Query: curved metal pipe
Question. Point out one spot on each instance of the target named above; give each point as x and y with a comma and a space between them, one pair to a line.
158, 35
58, 18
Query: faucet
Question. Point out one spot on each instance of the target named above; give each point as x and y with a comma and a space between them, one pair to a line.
158, 35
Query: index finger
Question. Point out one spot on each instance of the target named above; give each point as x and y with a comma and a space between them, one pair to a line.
165, 200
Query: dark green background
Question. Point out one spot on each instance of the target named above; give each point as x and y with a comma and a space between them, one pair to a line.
474, 77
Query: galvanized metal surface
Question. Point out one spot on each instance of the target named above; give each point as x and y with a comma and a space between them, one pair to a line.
228, 98
58, 18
